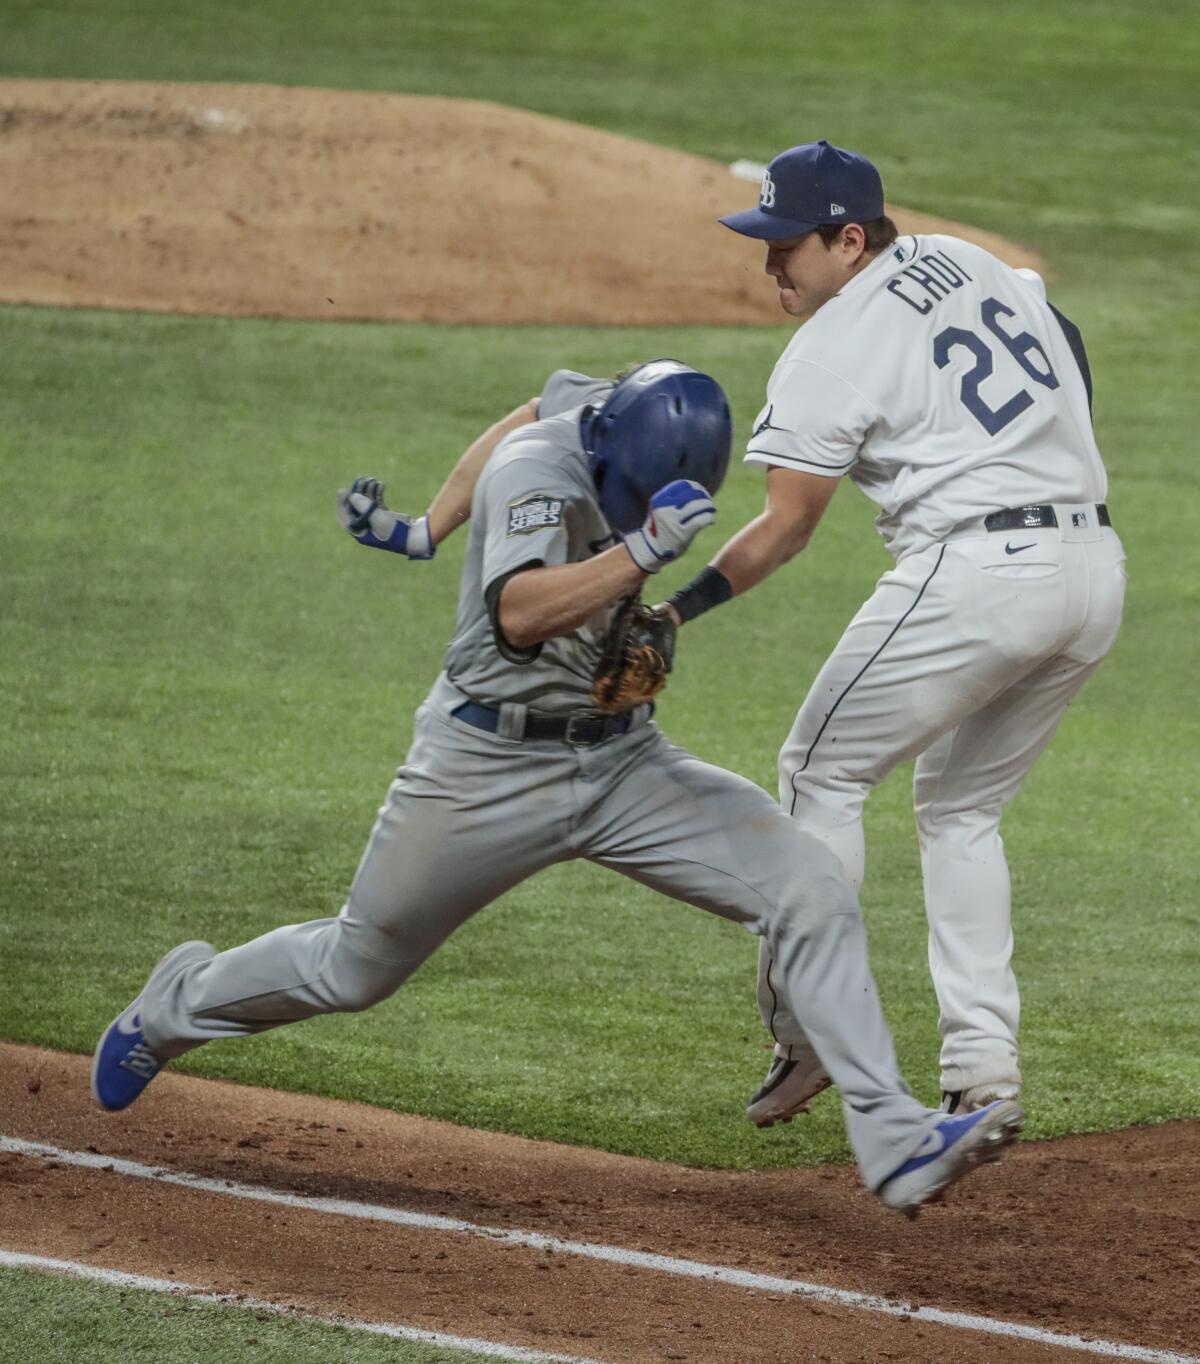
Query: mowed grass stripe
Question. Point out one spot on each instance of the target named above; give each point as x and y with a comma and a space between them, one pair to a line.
207, 688
218, 1319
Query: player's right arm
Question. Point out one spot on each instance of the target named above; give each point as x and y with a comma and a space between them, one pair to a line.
362, 510
563, 390
451, 507
795, 503
807, 436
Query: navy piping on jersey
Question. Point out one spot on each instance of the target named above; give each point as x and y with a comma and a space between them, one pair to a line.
774, 998
795, 459
891, 634
1075, 341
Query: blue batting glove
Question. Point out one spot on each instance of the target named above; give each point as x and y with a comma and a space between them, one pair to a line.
362, 512
678, 513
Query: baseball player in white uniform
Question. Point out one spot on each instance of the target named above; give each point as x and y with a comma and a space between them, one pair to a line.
943, 384
512, 769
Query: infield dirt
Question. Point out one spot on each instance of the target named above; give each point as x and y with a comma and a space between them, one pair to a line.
264, 201
1094, 1235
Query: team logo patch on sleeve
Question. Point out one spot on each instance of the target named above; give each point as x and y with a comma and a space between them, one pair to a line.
534, 513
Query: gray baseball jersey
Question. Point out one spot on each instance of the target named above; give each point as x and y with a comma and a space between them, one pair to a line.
473, 813
535, 505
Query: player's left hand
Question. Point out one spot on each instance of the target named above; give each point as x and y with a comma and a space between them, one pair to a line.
362, 512
678, 513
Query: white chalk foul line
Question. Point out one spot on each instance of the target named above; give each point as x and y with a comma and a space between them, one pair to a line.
636, 1259
119, 1278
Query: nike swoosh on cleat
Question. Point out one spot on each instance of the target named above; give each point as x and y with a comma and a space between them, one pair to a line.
933, 1145
130, 1022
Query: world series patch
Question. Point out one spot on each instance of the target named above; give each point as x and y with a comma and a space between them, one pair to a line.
534, 513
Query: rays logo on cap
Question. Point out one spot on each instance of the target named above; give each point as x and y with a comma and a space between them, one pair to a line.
808, 187
766, 198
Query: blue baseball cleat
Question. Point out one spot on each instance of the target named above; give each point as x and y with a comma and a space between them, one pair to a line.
953, 1149
123, 1065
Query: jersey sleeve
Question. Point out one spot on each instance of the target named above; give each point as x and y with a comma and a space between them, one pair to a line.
526, 505
814, 421
566, 388
525, 513
1034, 280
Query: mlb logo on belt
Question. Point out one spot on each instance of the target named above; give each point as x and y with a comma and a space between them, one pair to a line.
1079, 519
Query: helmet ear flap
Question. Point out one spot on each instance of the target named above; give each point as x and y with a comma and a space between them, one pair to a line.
587, 429
661, 422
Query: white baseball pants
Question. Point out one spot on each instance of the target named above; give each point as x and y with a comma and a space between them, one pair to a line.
965, 657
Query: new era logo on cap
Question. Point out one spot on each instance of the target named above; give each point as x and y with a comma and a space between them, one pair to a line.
809, 186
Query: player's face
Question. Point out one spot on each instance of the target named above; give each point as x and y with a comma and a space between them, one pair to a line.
807, 272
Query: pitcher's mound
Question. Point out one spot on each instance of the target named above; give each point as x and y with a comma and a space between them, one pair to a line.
265, 201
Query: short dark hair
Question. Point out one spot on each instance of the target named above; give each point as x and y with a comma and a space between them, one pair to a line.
879, 232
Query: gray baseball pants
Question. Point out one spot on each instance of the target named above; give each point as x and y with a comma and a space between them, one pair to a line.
471, 815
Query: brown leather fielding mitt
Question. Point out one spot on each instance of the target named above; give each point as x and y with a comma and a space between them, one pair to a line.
637, 657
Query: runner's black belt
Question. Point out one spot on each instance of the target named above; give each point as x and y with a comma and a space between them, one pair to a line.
583, 729
1034, 518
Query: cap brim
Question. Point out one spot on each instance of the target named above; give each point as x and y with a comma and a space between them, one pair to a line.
753, 222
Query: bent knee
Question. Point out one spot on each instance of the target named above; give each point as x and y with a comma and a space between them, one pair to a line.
361, 990
958, 820
354, 977
822, 791
817, 887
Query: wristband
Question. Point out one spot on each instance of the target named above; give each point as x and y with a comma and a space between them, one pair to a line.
708, 588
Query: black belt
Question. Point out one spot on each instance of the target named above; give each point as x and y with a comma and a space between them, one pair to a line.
581, 730
1035, 518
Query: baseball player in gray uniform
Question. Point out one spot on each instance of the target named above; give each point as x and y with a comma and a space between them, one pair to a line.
512, 769
946, 387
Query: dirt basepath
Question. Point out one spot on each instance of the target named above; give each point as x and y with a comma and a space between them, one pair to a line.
1094, 1235
256, 200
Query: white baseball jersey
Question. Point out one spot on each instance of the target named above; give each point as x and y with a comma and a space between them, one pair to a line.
940, 381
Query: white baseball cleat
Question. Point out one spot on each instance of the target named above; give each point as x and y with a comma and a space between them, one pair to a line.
953, 1149
789, 1088
979, 1096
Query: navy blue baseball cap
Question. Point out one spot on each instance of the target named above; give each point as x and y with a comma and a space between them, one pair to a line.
809, 186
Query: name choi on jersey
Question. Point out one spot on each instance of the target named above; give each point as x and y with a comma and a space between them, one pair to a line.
534, 513
927, 281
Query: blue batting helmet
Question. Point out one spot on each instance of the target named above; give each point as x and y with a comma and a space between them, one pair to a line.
661, 422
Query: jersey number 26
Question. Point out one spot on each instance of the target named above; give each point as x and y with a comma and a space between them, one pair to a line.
1020, 347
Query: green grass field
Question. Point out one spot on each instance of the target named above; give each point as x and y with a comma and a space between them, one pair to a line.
207, 687
93, 1321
